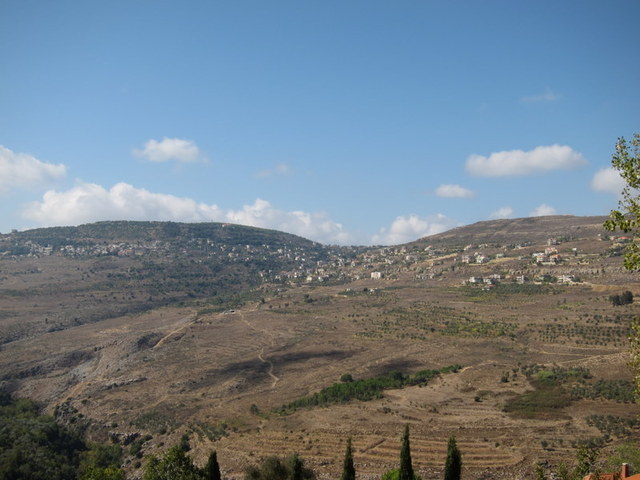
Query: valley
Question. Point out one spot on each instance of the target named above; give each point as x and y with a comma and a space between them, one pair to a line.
128, 329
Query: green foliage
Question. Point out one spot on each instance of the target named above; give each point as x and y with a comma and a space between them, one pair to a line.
101, 462
559, 375
626, 160
612, 425
406, 466
348, 469
34, 446
625, 298
395, 475
423, 319
365, 390
184, 445
107, 473
621, 391
173, 465
155, 421
625, 453
549, 396
596, 329
556, 387
296, 468
211, 430
274, 468
346, 377
453, 463
563, 472
587, 460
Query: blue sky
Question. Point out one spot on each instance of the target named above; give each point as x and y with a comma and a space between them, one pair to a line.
350, 122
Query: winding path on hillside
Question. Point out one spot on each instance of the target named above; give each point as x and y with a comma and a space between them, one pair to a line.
184, 324
261, 353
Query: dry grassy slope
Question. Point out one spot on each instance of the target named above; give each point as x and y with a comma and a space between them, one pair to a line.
531, 229
180, 369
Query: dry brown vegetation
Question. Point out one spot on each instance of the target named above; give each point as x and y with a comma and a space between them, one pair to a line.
220, 376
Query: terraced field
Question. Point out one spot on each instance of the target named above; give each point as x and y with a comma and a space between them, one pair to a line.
220, 375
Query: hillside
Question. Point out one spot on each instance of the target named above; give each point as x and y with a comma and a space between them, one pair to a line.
127, 333
98, 271
521, 231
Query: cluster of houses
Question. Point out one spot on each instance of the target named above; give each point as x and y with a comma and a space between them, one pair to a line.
309, 266
550, 256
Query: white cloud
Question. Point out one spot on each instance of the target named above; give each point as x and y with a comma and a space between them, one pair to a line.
543, 210
608, 180
279, 170
504, 212
406, 229
519, 162
453, 191
88, 202
170, 149
547, 96
316, 226
19, 170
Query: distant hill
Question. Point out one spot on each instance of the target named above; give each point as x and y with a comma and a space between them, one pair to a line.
144, 265
222, 233
519, 231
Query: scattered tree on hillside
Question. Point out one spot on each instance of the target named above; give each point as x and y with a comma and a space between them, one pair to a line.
406, 468
625, 298
453, 464
348, 469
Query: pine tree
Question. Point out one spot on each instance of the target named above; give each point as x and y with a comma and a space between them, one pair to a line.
453, 464
406, 469
212, 468
348, 470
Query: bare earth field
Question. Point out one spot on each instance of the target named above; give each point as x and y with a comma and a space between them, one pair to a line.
219, 375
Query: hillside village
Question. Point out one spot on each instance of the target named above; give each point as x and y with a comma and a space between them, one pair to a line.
147, 333
301, 264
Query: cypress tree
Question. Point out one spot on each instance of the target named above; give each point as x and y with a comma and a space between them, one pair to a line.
348, 470
296, 468
453, 464
406, 469
212, 468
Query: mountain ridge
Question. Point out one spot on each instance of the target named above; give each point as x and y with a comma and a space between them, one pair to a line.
498, 230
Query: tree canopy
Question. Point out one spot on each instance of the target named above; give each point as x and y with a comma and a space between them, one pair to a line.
626, 160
